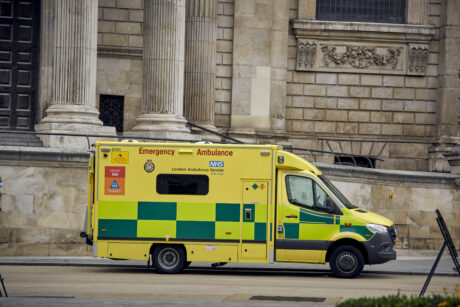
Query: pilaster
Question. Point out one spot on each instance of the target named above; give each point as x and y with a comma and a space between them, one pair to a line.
448, 96
259, 66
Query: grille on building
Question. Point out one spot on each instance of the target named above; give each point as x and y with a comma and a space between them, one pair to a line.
382, 11
355, 161
111, 109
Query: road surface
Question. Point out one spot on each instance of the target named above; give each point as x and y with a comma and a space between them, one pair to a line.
200, 286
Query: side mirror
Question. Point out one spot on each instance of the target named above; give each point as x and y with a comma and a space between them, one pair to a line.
330, 206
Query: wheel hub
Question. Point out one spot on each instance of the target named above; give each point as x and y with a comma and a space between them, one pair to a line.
168, 258
347, 262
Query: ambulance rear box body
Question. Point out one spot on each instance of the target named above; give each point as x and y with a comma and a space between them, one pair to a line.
174, 203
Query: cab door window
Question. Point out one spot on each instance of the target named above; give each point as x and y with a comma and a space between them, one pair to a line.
300, 191
306, 193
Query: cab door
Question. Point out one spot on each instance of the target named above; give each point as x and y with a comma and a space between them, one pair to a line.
304, 225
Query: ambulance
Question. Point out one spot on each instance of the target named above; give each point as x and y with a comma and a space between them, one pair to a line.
173, 203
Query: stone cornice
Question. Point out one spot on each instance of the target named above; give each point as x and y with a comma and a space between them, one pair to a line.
381, 32
42, 157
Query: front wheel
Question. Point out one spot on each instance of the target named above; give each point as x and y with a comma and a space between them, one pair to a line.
346, 261
168, 259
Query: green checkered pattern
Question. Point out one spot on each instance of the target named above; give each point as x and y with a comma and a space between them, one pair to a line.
181, 221
308, 218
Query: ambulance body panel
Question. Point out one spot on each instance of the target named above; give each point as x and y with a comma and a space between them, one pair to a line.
222, 203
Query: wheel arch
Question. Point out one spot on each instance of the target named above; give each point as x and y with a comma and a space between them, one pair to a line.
351, 242
180, 245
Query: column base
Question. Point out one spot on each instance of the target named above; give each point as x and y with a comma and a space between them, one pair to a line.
72, 119
165, 126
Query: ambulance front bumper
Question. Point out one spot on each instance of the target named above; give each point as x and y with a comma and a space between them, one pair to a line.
380, 248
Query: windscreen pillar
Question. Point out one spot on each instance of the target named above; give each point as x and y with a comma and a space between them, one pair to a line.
200, 63
72, 42
163, 71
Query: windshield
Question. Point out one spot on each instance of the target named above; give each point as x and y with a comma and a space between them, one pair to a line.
337, 193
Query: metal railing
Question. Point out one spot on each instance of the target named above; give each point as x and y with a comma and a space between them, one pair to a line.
312, 152
336, 155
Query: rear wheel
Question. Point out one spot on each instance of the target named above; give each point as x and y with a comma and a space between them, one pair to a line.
346, 261
168, 259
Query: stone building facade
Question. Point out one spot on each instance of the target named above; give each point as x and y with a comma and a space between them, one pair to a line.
262, 71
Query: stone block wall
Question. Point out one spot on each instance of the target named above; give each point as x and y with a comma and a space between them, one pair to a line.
409, 199
43, 204
120, 43
120, 23
389, 115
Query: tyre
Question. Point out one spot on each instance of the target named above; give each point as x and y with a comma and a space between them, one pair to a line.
346, 261
168, 259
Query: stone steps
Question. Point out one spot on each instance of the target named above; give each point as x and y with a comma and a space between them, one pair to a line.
13, 139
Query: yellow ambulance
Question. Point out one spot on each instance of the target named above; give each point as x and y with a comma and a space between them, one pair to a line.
174, 203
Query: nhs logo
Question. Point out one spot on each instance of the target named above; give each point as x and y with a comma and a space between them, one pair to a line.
216, 163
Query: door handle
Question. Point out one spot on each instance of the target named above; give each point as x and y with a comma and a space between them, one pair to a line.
291, 216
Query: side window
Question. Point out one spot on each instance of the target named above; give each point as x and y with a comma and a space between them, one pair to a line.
300, 191
182, 184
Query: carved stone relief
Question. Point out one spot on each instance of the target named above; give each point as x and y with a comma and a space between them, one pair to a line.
360, 56
417, 60
306, 55
354, 47
331, 56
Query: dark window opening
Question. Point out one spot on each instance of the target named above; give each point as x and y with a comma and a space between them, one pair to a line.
182, 184
355, 161
380, 11
111, 111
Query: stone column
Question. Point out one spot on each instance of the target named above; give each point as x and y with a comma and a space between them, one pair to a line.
73, 45
200, 62
163, 71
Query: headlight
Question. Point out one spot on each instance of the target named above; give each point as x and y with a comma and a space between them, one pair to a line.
377, 228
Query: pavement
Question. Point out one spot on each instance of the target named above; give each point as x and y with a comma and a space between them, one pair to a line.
409, 262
